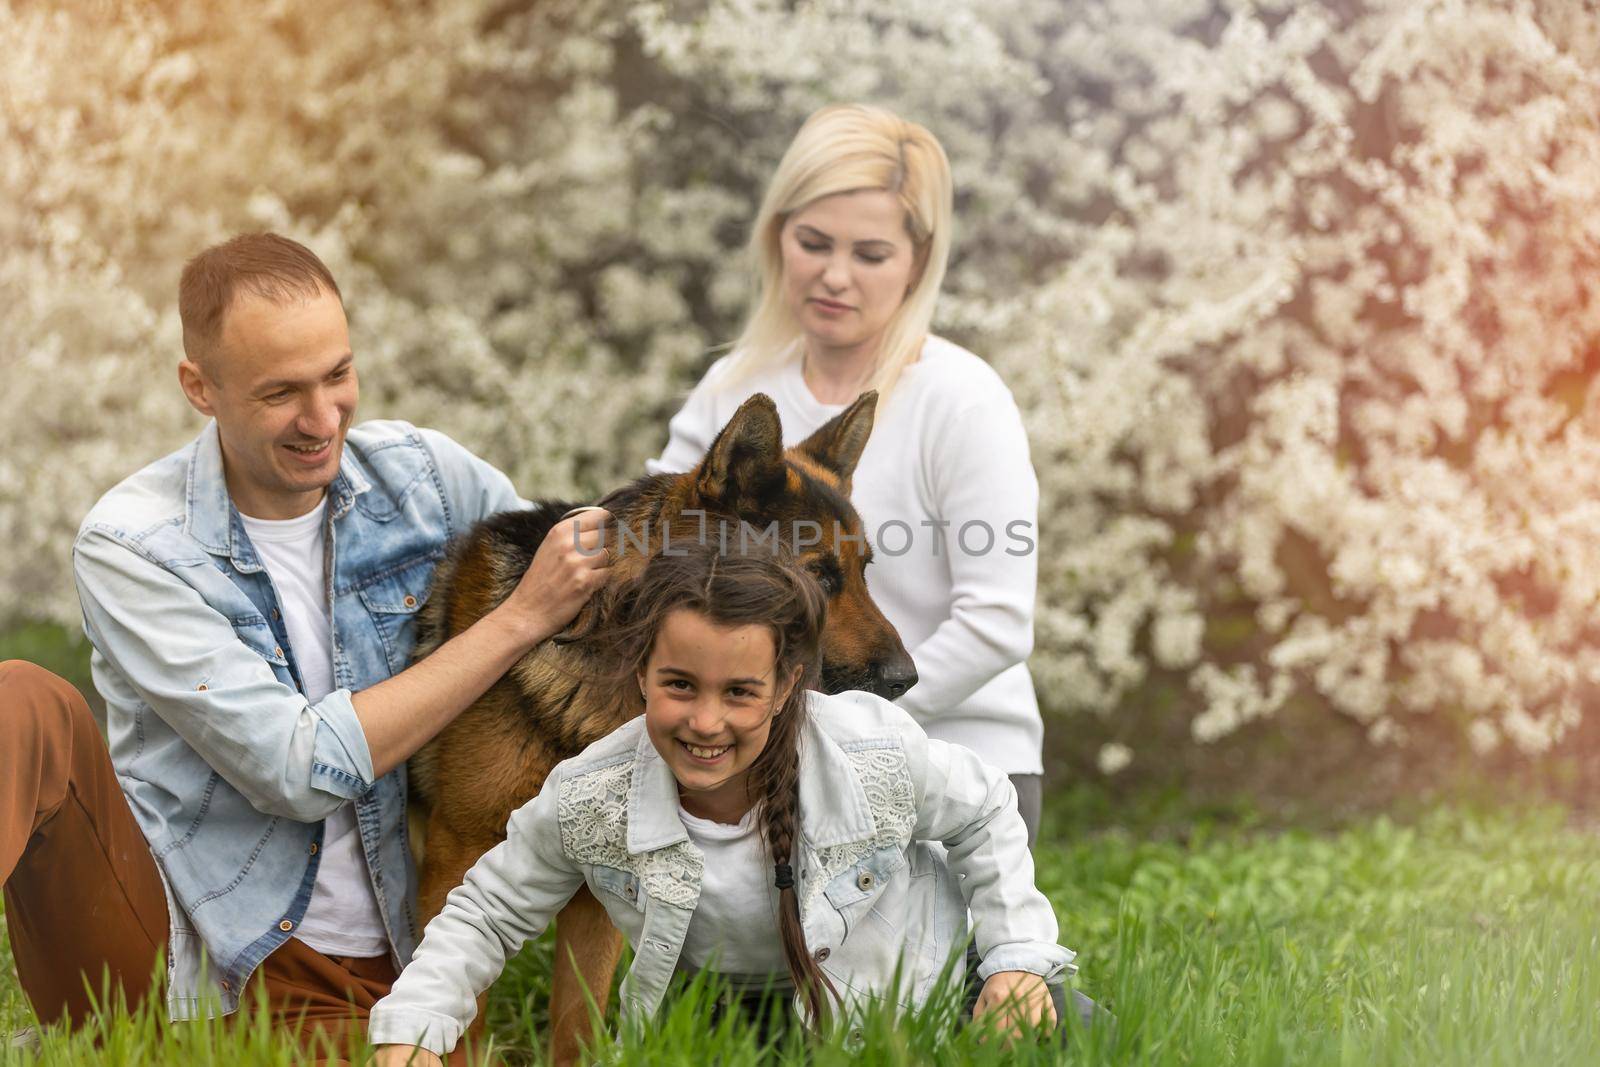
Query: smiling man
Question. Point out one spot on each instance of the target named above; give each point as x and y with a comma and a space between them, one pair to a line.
251, 601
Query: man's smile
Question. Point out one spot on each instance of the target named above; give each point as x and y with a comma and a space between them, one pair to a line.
311, 453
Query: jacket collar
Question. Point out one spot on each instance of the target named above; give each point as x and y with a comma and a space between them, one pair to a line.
652, 800
834, 809
209, 515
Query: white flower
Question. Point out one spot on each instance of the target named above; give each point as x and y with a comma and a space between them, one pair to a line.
1176, 639
1483, 736
1114, 756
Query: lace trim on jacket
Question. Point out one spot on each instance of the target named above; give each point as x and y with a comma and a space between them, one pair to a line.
593, 812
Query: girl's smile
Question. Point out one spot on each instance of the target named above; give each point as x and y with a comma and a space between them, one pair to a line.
706, 755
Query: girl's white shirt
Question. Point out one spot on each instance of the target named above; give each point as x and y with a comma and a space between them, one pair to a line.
950, 503
734, 929
900, 835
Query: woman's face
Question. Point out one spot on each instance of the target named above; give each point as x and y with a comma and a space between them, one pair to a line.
710, 692
847, 265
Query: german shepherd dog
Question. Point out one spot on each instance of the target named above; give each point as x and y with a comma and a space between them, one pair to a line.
496, 755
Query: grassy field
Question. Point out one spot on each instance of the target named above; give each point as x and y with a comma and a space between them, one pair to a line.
1459, 938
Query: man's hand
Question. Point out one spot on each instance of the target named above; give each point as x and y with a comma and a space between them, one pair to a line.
401, 714
1011, 998
405, 1056
566, 570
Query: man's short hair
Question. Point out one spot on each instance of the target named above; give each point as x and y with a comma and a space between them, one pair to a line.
263, 264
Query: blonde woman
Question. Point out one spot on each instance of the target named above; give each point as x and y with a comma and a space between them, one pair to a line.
850, 249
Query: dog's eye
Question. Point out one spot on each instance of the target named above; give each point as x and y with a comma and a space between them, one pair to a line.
826, 572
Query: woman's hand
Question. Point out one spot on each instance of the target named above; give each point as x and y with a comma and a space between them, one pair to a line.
1011, 998
405, 1056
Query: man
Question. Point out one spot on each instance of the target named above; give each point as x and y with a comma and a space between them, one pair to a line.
251, 600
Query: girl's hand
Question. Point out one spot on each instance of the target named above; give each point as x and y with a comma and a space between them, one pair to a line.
405, 1056
1010, 998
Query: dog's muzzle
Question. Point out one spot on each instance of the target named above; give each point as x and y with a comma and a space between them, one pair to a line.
890, 679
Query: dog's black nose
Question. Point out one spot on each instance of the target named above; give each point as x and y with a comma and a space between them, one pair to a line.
895, 677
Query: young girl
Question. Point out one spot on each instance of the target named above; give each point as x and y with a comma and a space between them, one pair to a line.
749, 824
850, 246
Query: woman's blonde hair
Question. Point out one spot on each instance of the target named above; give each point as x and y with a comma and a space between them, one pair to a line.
846, 148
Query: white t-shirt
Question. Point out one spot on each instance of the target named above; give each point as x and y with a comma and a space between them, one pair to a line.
343, 918
734, 928
948, 447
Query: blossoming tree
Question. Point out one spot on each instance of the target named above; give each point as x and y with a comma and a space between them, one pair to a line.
1296, 296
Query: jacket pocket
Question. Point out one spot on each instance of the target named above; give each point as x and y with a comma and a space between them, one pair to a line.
855, 890
622, 885
392, 601
254, 633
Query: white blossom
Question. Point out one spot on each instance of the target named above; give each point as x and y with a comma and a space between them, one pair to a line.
1114, 757
1296, 298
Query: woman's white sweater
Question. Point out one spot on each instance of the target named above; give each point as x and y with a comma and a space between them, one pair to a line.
950, 503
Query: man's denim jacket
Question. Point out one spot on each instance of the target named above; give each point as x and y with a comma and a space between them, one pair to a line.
227, 767
899, 836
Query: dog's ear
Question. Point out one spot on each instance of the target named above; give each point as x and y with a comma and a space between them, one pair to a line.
838, 443
743, 470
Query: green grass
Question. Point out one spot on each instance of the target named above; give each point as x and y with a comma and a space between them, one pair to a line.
1461, 938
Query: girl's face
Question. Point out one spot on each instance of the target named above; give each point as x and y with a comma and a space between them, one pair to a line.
710, 693
847, 265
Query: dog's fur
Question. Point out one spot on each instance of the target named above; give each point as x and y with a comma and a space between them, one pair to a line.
496, 755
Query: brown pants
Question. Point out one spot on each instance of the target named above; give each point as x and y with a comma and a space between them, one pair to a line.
83, 897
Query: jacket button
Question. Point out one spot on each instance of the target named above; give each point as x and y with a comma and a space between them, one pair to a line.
410, 601
201, 688
864, 881
821, 954
274, 614
313, 848
227, 987
630, 891
286, 926
277, 650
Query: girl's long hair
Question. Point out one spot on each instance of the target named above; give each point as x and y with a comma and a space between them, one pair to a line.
759, 589
846, 148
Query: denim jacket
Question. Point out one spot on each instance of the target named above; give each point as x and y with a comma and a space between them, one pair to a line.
900, 836
227, 767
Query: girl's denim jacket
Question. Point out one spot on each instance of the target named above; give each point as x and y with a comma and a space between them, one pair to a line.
900, 836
